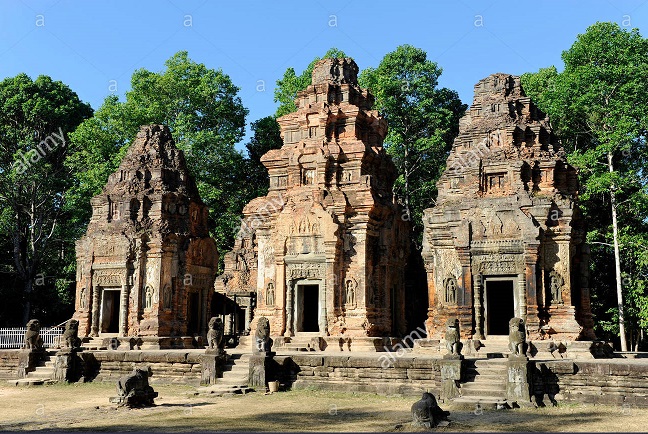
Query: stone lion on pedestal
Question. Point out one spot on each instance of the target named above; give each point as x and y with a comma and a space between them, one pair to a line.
517, 337
215, 334
263, 343
33, 340
70, 338
453, 338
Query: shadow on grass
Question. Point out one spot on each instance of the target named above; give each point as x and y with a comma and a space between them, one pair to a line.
186, 419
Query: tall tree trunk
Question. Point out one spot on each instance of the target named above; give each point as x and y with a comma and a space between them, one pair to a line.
617, 259
29, 286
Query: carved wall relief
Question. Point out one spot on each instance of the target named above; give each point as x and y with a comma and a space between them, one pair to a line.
270, 294
556, 283
450, 290
148, 297
498, 263
350, 288
82, 299
109, 277
448, 260
306, 270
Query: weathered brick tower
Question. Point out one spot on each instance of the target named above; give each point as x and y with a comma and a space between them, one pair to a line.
146, 266
505, 238
325, 250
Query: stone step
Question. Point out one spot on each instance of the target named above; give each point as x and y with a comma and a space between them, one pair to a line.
297, 346
486, 369
487, 372
494, 361
40, 375
218, 390
232, 383
483, 402
494, 379
474, 389
30, 381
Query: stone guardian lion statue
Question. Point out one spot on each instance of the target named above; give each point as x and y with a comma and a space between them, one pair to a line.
517, 337
263, 343
70, 338
453, 338
33, 340
215, 334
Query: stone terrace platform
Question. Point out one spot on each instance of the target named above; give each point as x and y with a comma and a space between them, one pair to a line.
621, 381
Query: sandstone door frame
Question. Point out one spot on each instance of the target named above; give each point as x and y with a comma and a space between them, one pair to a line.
97, 309
301, 310
294, 301
103, 304
514, 293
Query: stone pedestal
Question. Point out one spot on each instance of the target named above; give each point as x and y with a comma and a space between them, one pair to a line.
451, 370
213, 363
262, 370
518, 380
27, 361
68, 366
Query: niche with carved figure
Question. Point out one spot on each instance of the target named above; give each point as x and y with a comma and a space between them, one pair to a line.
308, 176
450, 290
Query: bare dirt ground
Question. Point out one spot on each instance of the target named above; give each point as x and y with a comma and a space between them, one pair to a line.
85, 407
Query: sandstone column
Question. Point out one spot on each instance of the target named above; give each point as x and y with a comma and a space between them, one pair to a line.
95, 310
521, 296
477, 294
123, 311
289, 308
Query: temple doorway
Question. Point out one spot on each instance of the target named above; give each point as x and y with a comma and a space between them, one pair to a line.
308, 308
499, 305
193, 313
110, 310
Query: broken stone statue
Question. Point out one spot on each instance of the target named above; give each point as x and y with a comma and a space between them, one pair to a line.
134, 390
426, 412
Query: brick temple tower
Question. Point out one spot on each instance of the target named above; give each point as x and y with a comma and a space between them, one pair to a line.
146, 265
325, 250
505, 238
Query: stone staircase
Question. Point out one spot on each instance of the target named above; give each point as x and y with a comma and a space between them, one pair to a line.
495, 346
234, 380
44, 373
302, 341
485, 383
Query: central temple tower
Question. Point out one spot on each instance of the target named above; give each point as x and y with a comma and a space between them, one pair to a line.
325, 250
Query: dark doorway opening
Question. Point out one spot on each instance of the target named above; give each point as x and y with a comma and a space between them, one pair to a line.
193, 313
110, 311
500, 307
309, 294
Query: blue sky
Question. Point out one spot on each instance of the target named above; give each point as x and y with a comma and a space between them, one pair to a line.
87, 44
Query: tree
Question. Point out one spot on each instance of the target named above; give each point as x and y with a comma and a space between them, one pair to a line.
35, 119
266, 136
202, 108
291, 83
598, 106
423, 121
